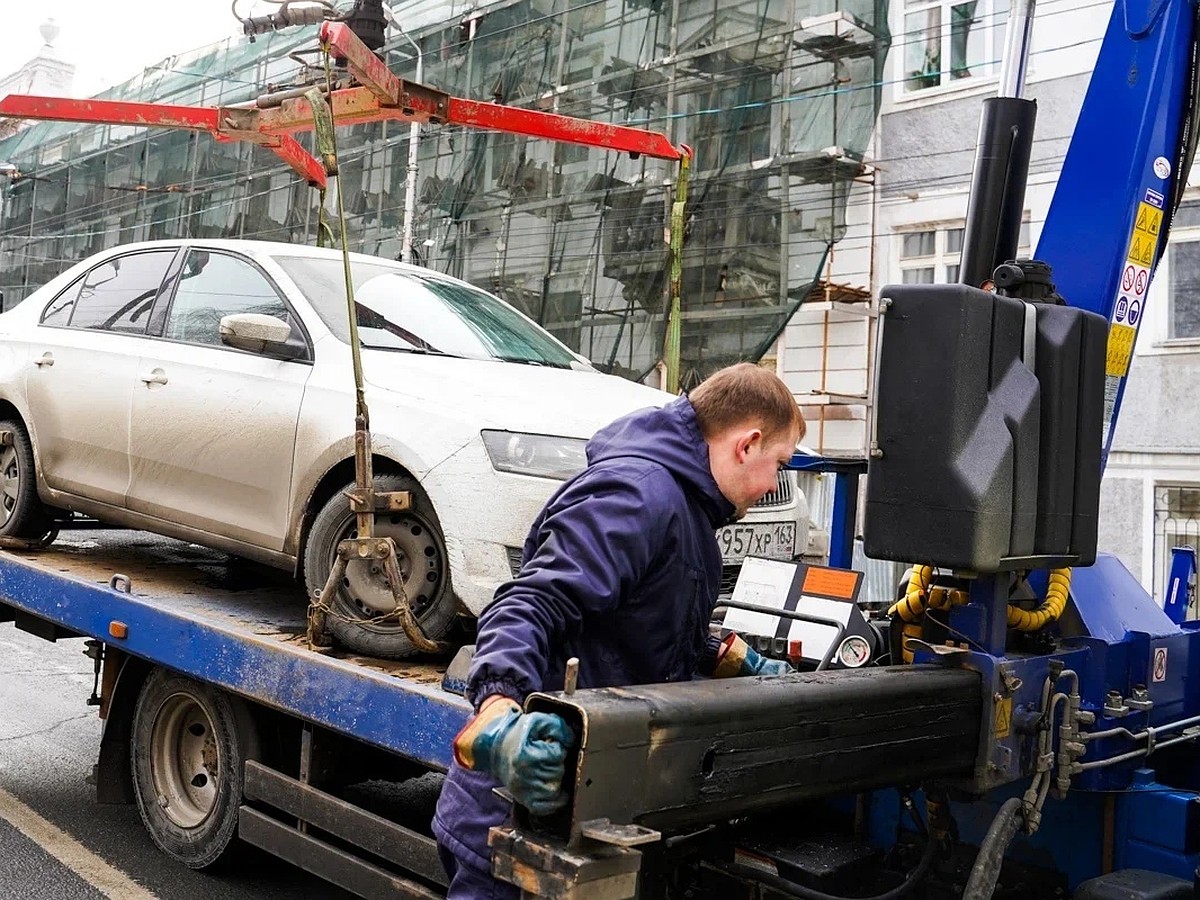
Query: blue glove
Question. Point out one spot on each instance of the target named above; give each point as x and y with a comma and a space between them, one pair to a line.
757, 664
735, 658
525, 752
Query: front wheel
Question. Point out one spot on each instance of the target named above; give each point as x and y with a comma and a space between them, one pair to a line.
22, 514
360, 614
189, 750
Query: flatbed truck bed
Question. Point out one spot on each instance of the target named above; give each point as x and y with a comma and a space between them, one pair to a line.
168, 616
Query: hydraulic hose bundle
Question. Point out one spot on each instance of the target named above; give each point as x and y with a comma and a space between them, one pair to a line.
921, 595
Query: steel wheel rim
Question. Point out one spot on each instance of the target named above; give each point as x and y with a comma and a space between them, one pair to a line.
364, 593
185, 761
10, 483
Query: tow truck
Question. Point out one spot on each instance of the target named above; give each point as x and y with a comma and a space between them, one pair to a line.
1034, 687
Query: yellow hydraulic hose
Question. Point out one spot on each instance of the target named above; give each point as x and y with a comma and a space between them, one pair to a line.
912, 606
919, 596
1050, 609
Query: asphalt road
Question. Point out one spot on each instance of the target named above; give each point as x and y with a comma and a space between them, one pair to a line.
56, 843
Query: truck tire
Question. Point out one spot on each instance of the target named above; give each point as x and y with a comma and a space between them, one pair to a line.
22, 514
357, 616
188, 753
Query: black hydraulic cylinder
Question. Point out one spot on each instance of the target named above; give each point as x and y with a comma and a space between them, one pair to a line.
997, 202
679, 755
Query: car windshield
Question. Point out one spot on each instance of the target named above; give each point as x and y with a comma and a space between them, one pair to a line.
417, 313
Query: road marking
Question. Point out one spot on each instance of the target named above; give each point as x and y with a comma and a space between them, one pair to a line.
68, 851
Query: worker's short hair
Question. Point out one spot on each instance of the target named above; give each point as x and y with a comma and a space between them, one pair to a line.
746, 394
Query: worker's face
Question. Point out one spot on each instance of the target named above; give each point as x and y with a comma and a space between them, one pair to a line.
745, 464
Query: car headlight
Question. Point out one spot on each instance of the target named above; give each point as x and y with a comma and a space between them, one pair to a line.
541, 455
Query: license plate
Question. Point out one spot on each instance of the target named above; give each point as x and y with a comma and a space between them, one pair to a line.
773, 540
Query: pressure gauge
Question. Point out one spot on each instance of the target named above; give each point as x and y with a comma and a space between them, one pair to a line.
854, 652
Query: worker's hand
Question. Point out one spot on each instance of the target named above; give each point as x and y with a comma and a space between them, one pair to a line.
737, 658
757, 664
526, 752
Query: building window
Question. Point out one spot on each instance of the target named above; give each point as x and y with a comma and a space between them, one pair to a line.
932, 255
1176, 524
948, 40
1184, 288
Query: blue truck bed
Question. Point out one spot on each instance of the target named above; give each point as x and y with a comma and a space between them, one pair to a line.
229, 623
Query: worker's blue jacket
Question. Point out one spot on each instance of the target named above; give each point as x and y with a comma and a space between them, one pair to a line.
621, 569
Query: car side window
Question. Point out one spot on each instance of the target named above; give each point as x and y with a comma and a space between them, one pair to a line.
58, 311
118, 295
215, 285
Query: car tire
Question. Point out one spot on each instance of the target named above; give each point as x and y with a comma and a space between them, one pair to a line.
357, 615
22, 514
188, 752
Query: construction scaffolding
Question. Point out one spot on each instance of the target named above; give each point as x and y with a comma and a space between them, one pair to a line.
778, 98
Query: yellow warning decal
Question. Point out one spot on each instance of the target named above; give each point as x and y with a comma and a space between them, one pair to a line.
1003, 723
1144, 238
1149, 219
1120, 349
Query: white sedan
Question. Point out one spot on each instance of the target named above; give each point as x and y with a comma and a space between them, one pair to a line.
138, 390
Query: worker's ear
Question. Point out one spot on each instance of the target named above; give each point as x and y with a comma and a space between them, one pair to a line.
749, 439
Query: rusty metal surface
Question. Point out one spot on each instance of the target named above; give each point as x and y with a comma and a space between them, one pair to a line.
368, 68
233, 624
677, 755
403, 847
110, 112
163, 115
208, 584
547, 869
331, 863
553, 127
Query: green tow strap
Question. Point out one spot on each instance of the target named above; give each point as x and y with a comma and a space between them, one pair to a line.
327, 150
671, 348
326, 136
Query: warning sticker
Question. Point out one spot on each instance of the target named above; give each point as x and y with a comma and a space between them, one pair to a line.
837, 583
1160, 664
1120, 349
1141, 249
1149, 219
1003, 717
1129, 301
1141, 281
1144, 239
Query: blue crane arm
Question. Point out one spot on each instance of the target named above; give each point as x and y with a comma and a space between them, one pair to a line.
1123, 175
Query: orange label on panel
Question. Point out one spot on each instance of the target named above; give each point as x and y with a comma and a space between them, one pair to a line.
830, 582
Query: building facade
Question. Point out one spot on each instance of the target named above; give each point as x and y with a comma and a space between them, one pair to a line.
47, 74
777, 97
923, 154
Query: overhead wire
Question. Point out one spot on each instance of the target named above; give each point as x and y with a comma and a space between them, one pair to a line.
719, 178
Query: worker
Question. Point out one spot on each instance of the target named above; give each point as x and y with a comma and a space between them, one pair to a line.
621, 570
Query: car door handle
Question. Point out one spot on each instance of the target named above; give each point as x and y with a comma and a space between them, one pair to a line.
46, 359
154, 376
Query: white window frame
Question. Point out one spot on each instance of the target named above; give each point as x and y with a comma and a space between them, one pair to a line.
1191, 236
917, 17
944, 260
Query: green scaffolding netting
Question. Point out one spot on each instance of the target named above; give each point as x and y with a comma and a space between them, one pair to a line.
572, 236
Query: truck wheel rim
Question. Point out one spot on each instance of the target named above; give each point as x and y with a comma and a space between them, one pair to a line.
10, 472
422, 569
185, 761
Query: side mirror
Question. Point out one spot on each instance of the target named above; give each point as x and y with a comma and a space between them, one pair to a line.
257, 333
